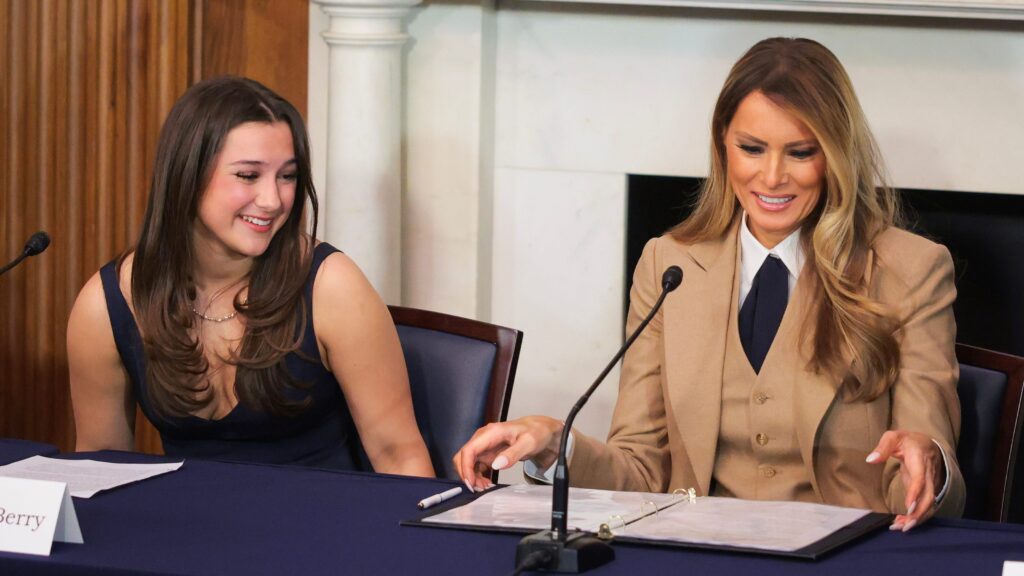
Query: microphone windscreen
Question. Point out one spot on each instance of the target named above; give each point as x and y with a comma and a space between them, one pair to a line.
37, 243
672, 278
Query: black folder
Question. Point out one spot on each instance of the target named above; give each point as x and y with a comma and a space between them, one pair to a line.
861, 527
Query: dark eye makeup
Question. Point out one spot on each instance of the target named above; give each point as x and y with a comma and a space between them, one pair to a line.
797, 153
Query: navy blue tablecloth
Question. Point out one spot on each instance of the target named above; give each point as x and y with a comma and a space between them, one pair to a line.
222, 518
12, 450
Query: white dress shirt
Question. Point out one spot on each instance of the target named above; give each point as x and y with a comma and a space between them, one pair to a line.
752, 255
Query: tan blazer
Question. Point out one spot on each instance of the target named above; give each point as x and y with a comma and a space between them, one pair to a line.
665, 425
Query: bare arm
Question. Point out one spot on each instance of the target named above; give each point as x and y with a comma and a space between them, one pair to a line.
361, 348
102, 399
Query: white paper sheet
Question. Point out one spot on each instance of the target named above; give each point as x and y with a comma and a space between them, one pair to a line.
781, 526
763, 525
84, 477
529, 506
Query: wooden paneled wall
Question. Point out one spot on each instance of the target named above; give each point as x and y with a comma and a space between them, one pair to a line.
84, 88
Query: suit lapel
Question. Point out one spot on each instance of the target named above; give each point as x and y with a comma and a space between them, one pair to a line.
695, 345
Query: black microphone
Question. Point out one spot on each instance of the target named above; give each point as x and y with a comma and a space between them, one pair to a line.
36, 244
557, 550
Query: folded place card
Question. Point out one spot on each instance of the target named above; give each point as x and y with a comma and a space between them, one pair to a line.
1011, 568
34, 514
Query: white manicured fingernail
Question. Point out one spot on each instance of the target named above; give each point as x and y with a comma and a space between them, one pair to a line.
873, 457
469, 486
909, 525
895, 526
499, 463
913, 506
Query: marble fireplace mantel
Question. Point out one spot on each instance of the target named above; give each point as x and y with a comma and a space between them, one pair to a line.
961, 9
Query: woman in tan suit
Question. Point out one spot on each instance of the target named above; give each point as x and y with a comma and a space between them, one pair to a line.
809, 353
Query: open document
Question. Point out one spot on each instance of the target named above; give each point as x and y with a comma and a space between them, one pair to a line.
84, 477
528, 506
786, 528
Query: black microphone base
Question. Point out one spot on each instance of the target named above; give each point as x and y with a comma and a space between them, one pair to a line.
579, 552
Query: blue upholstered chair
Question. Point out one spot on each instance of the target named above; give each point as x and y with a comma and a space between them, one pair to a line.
461, 373
991, 418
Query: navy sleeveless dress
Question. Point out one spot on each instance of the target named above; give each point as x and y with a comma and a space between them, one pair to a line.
322, 435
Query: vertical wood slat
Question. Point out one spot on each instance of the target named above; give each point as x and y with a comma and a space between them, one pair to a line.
259, 39
86, 86
13, 282
6, 356
30, 174
101, 144
40, 300
58, 407
5, 25
74, 155
8, 199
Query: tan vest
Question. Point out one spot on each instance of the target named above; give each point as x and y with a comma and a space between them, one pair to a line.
758, 456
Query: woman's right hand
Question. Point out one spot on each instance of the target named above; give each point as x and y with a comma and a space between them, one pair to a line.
499, 445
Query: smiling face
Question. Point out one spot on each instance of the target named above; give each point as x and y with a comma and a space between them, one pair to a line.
251, 191
775, 167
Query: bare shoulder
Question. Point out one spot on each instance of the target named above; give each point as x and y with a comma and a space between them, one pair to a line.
349, 318
91, 303
339, 279
343, 298
90, 309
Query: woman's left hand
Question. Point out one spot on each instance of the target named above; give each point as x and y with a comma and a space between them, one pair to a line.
922, 472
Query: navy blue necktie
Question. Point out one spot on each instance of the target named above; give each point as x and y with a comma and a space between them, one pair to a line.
762, 311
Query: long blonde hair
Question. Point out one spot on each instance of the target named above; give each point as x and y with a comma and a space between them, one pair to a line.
806, 79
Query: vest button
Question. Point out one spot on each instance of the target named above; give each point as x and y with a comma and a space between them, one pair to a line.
760, 398
768, 471
762, 439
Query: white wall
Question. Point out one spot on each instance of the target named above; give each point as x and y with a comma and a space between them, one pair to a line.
602, 91
522, 122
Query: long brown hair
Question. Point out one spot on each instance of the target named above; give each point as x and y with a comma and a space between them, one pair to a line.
806, 79
161, 281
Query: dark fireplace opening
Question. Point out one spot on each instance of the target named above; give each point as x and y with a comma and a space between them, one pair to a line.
984, 233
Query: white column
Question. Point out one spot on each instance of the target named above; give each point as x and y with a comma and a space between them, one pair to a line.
364, 180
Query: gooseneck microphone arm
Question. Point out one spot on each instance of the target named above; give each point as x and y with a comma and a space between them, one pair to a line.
36, 244
559, 551
670, 280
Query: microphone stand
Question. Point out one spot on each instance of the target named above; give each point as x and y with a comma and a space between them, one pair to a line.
558, 550
36, 244
13, 263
